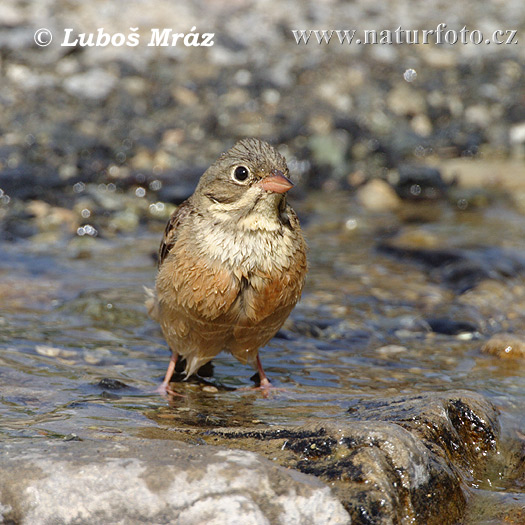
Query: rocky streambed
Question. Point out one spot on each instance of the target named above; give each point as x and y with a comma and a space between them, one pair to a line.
401, 376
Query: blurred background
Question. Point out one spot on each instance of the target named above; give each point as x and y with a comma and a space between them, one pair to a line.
410, 169
341, 113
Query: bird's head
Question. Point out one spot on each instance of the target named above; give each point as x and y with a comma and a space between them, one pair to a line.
247, 184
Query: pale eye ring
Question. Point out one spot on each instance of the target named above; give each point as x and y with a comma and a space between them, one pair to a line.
241, 173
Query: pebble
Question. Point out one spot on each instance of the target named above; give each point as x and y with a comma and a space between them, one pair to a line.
404, 100
392, 350
377, 195
517, 133
11, 14
505, 346
51, 217
329, 149
422, 125
52, 351
95, 84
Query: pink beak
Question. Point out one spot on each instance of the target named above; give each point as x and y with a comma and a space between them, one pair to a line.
276, 182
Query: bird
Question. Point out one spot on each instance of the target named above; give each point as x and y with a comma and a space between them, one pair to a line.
232, 262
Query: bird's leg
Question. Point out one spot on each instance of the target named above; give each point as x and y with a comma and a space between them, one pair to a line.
265, 386
164, 387
264, 382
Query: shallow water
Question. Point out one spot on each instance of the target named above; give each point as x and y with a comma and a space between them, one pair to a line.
72, 314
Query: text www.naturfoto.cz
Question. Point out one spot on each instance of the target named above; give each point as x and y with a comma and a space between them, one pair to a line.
440, 35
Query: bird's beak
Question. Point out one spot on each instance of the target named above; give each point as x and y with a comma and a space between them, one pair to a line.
276, 182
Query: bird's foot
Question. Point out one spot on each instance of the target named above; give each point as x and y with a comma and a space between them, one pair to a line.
265, 387
164, 389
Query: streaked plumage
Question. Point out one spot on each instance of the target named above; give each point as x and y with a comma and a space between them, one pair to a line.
232, 262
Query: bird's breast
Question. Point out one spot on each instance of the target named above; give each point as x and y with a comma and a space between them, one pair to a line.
233, 275
244, 249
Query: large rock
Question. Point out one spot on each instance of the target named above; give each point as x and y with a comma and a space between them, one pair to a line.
155, 481
406, 459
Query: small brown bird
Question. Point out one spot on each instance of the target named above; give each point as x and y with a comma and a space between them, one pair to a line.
232, 262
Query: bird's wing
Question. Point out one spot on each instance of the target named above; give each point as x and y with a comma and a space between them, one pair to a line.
171, 231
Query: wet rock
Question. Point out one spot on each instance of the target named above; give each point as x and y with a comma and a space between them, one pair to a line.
324, 330
111, 384
404, 459
408, 325
157, 481
446, 326
461, 269
16, 225
505, 346
461, 427
405, 325
497, 508
25, 182
385, 475
419, 182
501, 495
179, 185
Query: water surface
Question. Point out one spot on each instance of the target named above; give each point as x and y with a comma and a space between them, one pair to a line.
73, 314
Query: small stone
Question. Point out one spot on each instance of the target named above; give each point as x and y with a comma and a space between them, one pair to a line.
329, 149
421, 125
378, 195
478, 115
11, 14
517, 133
72, 437
391, 350
124, 221
51, 351
135, 86
436, 56
185, 96
404, 100
173, 137
142, 160
95, 84
505, 346
50, 217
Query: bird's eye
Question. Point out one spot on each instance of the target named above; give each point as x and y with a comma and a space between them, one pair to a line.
241, 173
